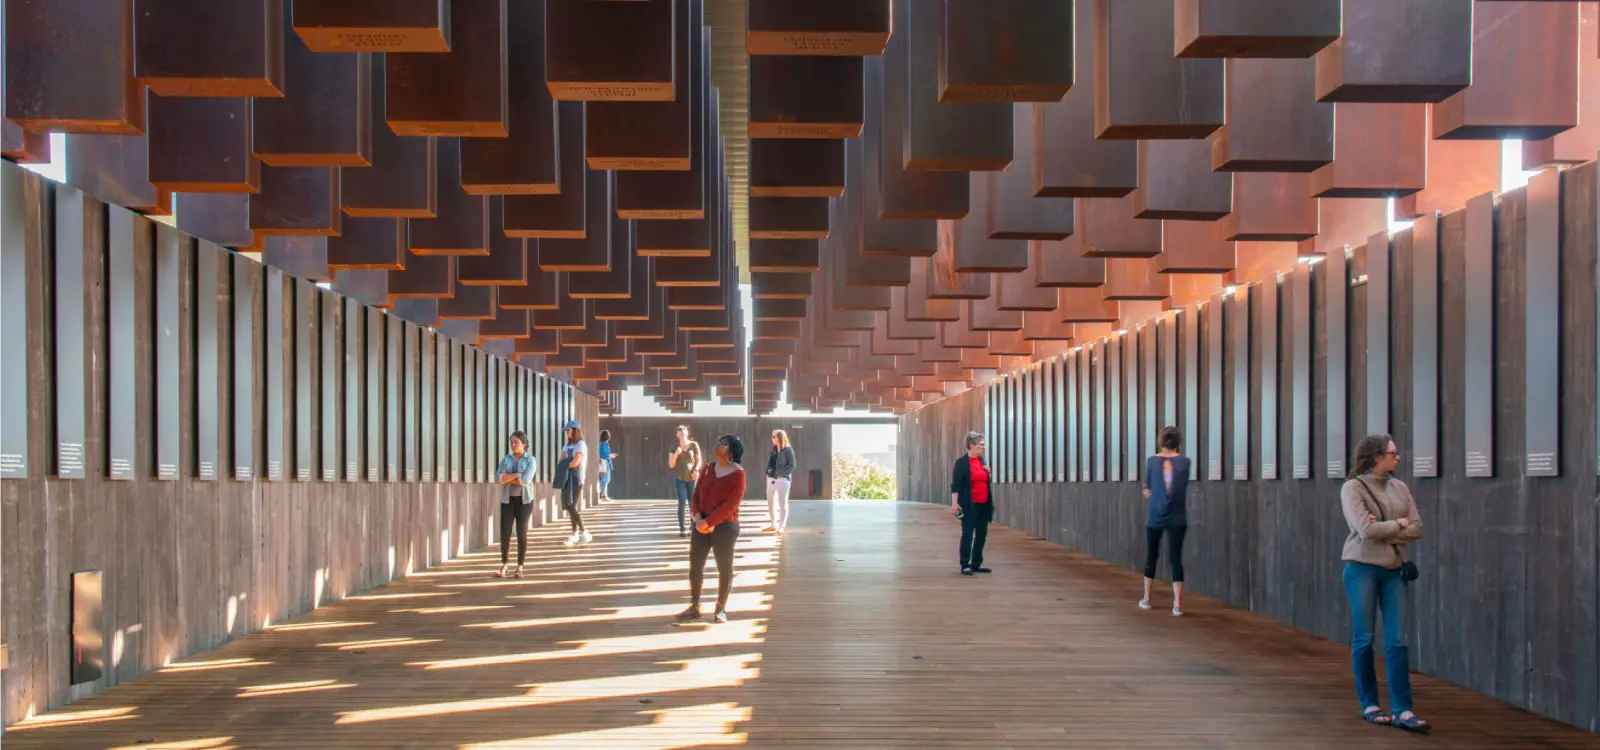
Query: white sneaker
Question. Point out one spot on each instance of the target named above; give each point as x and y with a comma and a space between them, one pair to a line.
1177, 612
587, 537
571, 540
1144, 604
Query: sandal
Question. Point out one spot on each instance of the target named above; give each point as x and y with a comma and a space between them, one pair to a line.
501, 573
518, 573
1410, 723
1375, 715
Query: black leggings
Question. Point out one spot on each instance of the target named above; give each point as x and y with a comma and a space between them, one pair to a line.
569, 500
515, 512
720, 540
1174, 551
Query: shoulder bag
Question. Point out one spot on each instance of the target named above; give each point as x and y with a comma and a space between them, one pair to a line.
1408, 569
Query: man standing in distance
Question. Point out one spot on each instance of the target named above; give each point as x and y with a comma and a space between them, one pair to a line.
685, 464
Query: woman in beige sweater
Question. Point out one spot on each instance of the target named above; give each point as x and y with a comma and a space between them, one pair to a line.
1383, 519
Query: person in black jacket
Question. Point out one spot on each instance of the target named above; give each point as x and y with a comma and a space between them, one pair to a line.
972, 502
780, 467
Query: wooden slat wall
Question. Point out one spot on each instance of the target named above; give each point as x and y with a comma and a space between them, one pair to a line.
190, 564
644, 443
1507, 603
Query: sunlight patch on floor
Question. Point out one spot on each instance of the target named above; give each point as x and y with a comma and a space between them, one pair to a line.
672, 729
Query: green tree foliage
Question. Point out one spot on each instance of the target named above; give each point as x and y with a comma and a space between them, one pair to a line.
859, 479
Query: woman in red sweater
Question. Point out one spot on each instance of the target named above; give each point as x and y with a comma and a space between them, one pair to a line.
716, 525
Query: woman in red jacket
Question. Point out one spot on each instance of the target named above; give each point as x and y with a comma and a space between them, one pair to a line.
716, 525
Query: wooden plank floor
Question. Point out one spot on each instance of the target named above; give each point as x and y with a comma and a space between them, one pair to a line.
855, 632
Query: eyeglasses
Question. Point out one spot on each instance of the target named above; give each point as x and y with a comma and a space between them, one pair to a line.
1396, 454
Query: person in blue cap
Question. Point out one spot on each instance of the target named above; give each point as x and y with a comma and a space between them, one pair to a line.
570, 469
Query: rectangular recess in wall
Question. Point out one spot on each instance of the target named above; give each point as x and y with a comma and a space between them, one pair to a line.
209, 261
355, 324
1267, 365
1377, 333
427, 414
15, 293
1239, 343
1149, 345
1114, 409
1167, 332
172, 321
457, 376
275, 415
1048, 414
1030, 418
73, 254
1061, 426
376, 344
394, 396
1213, 357
331, 326
1300, 368
88, 659
1073, 399
1336, 360
411, 342
245, 297
305, 341
1542, 272
1086, 402
1478, 256
123, 244
1131, 399
1425, 345
1189, 357
1097, 431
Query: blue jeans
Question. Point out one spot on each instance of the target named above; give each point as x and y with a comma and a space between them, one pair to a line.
605, 482
685, 491
1370, 589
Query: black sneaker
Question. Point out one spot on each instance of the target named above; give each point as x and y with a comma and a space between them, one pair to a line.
981, 569
690, 614
966, 571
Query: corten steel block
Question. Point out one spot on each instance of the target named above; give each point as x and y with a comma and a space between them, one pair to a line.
1057, 264
655, 135
1069, 161
990, 54
424, 276
941, 136
371, 244
975, 248
201, 145
560, 215
641, 301
1013, 211
1194, 247
784, 256
818, 27
1382, 152
374, 25
297, 201
1579, 144
1106, 228
591, 252
69, 67
524, 162
1346, 222
402, 179
904, 194
468, 302
1038, 326
788, 218
1417, 51
222, 218
541, 291
367, 287
1258, 262
116, 169
1141, 94
506, 265
324, 118
1085, 305
1524, 74
462, 92
678, 194
1271, 207
207, 48
1022, 291
796, 168
616, 280
941, 277
611, 51
24, 147
1274, 122
1176, 182
1254, 28
1457, 171
921, 307
1135, 279
879, 235
461, 224
301, 257
794, 96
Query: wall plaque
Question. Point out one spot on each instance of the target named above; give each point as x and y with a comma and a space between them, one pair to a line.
246, 295
1300, 367
1114, 409
1168, 332
457, 377
1097, 429
408, 419
355, 323
427, 412
1062, 426
1213, 358
1377, 333
1542, 408
1239, 341
332, 334
1478, 322
1189, 356
1336, 296
1131, 346
394, 396
1149, 344
276, 415
77, 257
305, 343
1267, 365
376, 344
128, 236
14, 297
209, 271
173, 253
1425, 346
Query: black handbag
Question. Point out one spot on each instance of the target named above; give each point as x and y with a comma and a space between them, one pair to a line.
1408, 569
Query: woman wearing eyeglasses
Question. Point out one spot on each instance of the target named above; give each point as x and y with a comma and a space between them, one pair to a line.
1383, 519
972, 500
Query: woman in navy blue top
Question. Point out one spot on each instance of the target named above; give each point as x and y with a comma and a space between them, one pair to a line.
1166, 484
